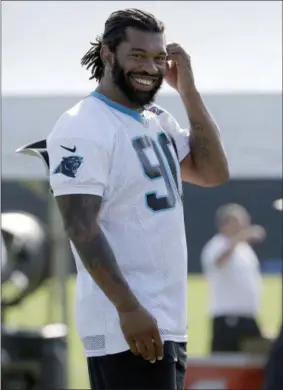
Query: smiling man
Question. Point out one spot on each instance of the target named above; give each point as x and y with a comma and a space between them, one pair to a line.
117, 162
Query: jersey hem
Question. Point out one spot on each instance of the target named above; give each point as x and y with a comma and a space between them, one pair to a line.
88, 190
176, 339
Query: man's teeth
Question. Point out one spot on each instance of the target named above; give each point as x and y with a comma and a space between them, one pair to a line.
144, 81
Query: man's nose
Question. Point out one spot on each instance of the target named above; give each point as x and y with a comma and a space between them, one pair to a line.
150, 67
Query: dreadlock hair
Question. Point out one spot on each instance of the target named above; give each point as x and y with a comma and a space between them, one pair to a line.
115, 33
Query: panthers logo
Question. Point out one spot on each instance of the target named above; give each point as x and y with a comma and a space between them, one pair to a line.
69, 166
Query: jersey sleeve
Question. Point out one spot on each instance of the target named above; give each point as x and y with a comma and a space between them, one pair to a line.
78, 166
173, 129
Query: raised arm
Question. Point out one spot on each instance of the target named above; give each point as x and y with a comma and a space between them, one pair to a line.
206, 164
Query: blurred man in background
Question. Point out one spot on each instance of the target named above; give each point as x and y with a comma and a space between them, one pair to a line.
233, 273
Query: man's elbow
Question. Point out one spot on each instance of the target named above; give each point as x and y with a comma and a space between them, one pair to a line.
205, 176
218, 179
80, 234
218, 175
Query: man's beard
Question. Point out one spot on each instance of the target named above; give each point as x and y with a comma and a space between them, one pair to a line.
122, 80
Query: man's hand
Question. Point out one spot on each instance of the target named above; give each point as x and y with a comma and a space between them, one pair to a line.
206, 164
255, 233
141, 333
179, 73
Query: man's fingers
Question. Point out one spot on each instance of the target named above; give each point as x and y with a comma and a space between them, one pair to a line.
174, 48
142, 349
158, 345
173, 57
133, 347
149, 344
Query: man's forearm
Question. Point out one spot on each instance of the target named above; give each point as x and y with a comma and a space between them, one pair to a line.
207, 151
100, 262
79, 213
232, 242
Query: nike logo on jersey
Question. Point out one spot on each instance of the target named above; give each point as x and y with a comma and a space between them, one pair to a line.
72, 150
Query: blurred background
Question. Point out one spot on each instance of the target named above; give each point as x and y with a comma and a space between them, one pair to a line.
236, 51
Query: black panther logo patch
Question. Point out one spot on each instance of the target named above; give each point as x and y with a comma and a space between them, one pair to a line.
69, 166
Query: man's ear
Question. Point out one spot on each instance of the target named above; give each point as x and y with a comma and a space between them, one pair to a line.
107, 57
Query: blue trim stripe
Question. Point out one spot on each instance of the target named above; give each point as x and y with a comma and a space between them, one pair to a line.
125, 110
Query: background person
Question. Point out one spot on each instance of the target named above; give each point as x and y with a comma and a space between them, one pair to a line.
233, 273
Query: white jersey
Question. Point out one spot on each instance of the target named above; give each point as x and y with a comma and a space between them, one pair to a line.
235, 288
102, 148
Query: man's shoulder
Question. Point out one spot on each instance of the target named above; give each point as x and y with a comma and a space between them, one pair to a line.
84, 120
87, 111
214, 244
164, 117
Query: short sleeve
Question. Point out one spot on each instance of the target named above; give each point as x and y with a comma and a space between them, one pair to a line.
212, 251
78, 166
179, 135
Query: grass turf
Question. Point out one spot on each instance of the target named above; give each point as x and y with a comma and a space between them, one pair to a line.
35, 311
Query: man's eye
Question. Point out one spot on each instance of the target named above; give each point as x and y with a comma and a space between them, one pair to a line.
138, 56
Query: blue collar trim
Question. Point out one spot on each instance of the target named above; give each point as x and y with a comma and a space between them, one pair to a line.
134, 114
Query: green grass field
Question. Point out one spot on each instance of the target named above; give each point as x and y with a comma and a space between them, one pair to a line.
33, 313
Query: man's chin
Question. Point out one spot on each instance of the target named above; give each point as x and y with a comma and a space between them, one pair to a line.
141, 104
143, 98
138, 98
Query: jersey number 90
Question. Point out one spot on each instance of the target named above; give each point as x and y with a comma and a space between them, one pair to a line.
154, 201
